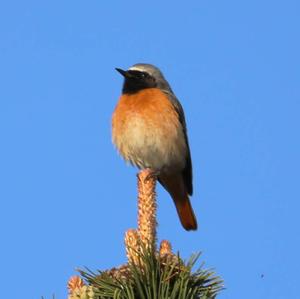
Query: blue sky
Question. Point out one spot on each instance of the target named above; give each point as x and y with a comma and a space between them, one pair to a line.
67, 197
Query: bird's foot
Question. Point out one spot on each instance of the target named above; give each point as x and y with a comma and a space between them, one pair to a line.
150, 174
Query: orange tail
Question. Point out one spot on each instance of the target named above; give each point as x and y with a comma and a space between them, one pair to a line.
186, 213
175, 186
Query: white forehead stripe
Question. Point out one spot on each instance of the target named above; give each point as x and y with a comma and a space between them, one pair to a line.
138, 68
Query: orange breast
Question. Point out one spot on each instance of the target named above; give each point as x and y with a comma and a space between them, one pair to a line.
146, 129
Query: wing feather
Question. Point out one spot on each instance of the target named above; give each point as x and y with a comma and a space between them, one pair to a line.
188, 170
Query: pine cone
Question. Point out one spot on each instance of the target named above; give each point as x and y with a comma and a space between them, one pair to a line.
75, 282
132, 245
165, 248
85, 292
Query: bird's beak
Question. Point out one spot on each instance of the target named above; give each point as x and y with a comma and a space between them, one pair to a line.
122, 72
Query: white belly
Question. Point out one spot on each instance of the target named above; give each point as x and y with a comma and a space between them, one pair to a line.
148, 145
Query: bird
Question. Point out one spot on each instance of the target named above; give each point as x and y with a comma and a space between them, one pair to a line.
149, 131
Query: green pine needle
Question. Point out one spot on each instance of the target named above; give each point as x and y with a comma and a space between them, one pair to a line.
156, 278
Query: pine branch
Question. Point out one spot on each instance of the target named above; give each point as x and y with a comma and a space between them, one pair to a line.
148, 274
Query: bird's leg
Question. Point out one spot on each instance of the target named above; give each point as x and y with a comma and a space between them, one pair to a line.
151, 174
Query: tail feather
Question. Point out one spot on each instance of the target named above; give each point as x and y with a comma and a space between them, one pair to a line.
186, 214
175, 186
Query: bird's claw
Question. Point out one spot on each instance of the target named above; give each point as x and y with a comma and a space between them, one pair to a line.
151, 175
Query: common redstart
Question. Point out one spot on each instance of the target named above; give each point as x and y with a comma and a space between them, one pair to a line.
149, 131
